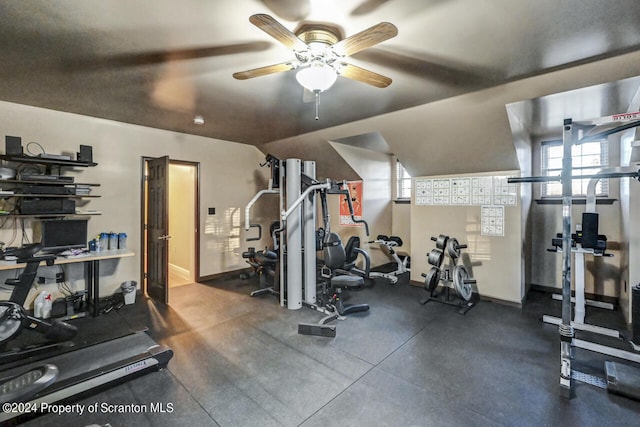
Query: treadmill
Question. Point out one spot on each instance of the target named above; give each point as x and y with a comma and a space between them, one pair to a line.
78, 373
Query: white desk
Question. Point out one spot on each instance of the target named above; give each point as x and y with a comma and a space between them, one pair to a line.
92, 271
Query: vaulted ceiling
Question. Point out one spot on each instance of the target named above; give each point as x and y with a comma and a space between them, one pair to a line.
158, 63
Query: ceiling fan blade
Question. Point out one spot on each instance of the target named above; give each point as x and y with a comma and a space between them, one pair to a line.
161, 57
354, 72
364, 39
431, 67
278, 31
290, 10
263, 71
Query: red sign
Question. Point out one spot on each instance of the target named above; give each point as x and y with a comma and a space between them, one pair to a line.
355, 192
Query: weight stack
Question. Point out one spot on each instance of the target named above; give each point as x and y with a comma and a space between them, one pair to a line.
635, 313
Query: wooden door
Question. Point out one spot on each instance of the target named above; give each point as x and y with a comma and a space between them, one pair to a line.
158, 229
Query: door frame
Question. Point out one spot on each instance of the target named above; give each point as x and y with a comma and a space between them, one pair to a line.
144, 215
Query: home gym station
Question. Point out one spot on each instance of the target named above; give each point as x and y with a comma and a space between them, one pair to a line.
297, 238
309, 213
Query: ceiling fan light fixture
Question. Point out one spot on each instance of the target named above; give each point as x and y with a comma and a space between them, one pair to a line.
317, 77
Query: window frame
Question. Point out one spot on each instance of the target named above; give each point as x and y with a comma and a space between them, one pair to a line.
402, 176
579, 187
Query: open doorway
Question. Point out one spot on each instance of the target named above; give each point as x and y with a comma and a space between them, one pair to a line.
182, 224
170, 225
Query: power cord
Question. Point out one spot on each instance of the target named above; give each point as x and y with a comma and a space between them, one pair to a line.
35, 143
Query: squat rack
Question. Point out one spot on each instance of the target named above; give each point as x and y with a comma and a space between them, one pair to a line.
575, 133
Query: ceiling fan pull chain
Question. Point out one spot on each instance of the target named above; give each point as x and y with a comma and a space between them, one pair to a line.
317, 93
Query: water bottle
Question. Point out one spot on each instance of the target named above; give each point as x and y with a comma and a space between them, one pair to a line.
47, 304
104, 242
38, 303
122, 241
113, 241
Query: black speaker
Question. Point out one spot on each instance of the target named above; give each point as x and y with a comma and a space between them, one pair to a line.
589, 230
13, 145
47, 206
85, 154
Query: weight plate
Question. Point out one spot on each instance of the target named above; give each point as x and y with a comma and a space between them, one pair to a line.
460, 275
432, 279
435, 257
453, 248
441, 242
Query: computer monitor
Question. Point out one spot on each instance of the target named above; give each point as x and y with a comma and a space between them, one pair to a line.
59, 235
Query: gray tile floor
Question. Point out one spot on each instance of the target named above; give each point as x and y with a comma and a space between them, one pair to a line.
239, 361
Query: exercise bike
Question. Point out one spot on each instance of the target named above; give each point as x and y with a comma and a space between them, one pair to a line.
389, 246
14, 319
21, 386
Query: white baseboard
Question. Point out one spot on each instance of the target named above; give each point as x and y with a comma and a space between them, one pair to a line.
179, 272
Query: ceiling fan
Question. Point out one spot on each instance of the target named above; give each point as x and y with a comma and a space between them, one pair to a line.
319, 54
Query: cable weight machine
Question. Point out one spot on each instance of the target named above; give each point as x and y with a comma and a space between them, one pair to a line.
295, 182
575, 133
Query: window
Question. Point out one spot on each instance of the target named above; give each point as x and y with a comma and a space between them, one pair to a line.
403, 181
587, 158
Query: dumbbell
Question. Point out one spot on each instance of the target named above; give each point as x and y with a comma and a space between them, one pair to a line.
453, 248
441, 241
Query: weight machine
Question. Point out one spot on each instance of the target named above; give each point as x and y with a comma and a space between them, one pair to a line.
586, 241
389, 245
295, 183
575, 133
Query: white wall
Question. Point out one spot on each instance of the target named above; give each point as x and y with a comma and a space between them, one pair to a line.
495, 262
229, 179
401, 224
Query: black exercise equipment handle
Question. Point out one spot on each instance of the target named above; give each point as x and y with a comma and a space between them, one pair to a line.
259, 227
353, 218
